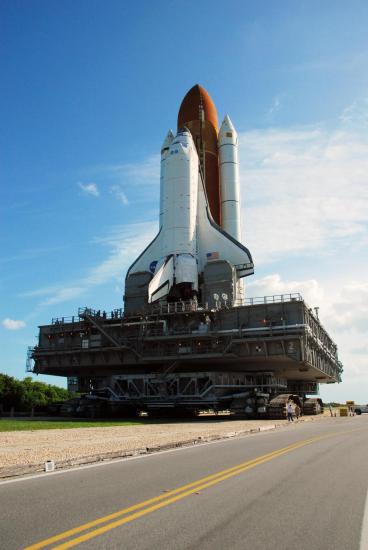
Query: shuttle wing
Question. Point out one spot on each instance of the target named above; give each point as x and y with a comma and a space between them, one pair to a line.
148, 259
215, 244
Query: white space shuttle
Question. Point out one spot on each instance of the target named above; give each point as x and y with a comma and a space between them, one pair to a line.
192, 255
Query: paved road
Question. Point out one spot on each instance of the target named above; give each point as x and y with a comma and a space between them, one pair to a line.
301, 487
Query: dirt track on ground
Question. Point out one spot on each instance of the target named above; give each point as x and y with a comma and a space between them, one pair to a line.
35, 447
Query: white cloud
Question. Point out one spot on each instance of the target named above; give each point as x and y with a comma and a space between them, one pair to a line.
89, 189
273, 285
349, 311
63, 294
146, 171
125, 244
43, 291
275, 106
304, 190
349, 62
12, 324
31, 253
343, 312
356, 114
117, 191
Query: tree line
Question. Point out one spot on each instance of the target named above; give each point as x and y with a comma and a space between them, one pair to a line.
28, 394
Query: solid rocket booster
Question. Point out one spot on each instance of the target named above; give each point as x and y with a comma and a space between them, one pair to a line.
229, 178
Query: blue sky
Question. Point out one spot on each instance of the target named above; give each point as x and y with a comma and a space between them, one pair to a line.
88, 92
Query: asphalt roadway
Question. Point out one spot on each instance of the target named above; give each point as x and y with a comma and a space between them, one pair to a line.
301, 487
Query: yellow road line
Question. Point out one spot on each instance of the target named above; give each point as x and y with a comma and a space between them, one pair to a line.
136, 515
167, 498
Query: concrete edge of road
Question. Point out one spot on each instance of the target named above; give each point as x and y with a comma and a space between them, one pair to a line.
12, 472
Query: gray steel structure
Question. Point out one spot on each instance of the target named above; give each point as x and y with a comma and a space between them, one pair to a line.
183, 355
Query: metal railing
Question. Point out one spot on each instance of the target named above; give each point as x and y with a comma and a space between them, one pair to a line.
193, 305
82, 311
181, 306
273, 299
178, 307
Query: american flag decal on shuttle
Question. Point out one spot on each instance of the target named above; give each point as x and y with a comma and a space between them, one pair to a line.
212, 256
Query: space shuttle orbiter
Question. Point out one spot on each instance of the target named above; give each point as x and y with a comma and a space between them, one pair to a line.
197, 251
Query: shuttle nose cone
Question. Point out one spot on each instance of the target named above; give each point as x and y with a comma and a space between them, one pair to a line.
227, 132
227, 125
168, 139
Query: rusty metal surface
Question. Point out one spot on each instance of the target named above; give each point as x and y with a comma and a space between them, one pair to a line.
204, 134
189, 107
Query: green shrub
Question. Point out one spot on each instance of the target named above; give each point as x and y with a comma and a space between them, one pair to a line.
26, 394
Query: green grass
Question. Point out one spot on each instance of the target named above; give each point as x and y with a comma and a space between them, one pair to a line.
12, 425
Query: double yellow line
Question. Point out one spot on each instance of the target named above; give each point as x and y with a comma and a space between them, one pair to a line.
132, 513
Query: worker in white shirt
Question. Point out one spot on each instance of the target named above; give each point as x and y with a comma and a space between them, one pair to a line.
290, 412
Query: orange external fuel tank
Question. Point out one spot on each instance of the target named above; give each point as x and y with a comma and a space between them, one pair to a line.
198, 113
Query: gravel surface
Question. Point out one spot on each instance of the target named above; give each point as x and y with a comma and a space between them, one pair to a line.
35, 447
